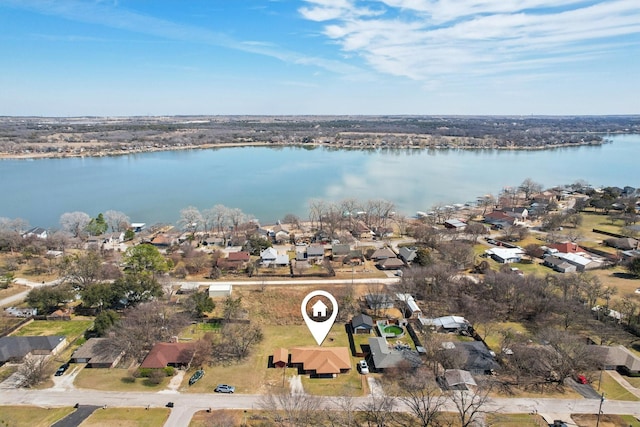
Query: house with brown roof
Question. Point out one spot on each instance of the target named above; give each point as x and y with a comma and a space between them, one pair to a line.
97, 353
567, 248
321, 361
163, 354
235, 260
280, 358
499, 219
390, 264
382, 253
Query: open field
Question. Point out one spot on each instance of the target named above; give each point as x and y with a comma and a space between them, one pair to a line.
127, 417
493, 333
72, 329
618, 278
592, 220
32, 416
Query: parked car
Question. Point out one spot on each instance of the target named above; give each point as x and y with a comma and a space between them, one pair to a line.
62, 369
225, 388
363, 367
170, 405
196, 376
582, 379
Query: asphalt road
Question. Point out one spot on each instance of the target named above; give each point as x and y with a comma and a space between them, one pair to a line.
186, 404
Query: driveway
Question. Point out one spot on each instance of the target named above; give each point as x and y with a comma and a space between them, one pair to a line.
76, 418
585, 390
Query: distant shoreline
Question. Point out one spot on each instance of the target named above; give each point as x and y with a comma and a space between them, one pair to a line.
94, 151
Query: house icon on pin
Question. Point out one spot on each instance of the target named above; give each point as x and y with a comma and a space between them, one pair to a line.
319, 309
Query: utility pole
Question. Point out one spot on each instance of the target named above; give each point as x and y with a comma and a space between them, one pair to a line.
600, 410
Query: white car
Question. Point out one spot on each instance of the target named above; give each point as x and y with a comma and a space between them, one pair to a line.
363, 367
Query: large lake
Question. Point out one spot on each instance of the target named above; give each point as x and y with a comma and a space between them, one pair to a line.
271, 182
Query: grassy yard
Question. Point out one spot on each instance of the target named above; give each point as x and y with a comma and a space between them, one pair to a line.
493, 333
115, 379
618, 278
515, 420
127, 417
601, 222
612, 389
588, 420
71, 329
634, 381
253, 375
31, 416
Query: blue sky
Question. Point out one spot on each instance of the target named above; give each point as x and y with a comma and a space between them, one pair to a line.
156, 57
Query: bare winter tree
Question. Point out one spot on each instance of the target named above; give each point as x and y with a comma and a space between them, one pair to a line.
74, 223
469, 405
290, 409
116, 220
217, 216
378, 409
32, 371
422, 396
529, 187
191, 220
343, 416
144, 325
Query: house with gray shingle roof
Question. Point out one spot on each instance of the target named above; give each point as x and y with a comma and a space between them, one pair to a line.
16, 348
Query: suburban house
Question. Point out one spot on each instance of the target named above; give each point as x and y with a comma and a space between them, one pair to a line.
280, 358
137, 227
499, 219
455, 224
97, 353
410, 304
505, 255
378, 301
472, 356
163, 354
446, 323
311, 253
618, 358
390, 264
340, 249
16, 348
622, 243
383, 253
567, 248
383, 356
407, 254
38, 232
458, 379
271, 257
518, 213
321, 362
559, 264
581, 262
235, 260
361, 231
220, 290
361, 324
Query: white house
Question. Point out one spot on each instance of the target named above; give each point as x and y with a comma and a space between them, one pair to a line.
505, 255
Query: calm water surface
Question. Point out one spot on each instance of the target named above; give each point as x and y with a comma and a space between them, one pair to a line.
271, 182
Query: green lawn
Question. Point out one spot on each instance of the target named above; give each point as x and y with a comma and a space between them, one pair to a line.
612, 389
634, 381
129, 417
514, 420
115, 379
254, 376
31, 416
71, 329
493, 335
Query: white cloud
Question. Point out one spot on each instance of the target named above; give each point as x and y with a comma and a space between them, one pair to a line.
429, 40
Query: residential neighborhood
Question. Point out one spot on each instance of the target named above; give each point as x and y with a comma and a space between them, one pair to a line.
497, 305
